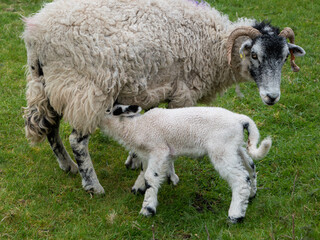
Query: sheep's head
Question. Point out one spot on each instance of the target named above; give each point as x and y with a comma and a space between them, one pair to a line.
264, 54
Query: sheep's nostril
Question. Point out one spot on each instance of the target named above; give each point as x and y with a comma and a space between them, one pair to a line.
272, 97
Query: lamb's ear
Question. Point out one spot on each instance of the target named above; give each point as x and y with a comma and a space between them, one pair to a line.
246, 45
117, 111
134, 109
297, 50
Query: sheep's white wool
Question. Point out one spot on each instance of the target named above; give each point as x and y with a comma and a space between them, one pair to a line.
160, 135
138, 52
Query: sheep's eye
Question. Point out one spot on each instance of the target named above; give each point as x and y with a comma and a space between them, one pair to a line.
254, 56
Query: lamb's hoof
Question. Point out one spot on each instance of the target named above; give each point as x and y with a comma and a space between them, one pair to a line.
72, 168
148, 211
174, 179
97, 189
132, 161
252, 198
139, 190
235, 220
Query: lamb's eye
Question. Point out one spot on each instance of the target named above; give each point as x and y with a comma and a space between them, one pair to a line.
254, 56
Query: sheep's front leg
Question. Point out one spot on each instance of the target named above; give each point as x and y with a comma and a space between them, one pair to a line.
63, 158
154, 176
79, 145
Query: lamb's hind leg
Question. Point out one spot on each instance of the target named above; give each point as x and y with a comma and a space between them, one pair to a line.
231, 169
79, 145
251, 168
63, 158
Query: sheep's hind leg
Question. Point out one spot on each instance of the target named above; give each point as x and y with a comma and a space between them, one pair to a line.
79, 145
63, 158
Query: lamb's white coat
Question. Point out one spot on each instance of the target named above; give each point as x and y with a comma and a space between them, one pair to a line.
160, 135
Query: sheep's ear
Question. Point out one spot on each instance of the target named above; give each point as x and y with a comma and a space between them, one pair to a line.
296, 50
245, 46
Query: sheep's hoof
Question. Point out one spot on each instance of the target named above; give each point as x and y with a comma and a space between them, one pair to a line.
148, 211
98, 189
235, 220
72, 167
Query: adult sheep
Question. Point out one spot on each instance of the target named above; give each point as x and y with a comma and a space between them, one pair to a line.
83, 56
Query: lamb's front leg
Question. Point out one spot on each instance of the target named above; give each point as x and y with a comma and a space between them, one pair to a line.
154, 176
79, 145
171, 174
140, 184
133, 161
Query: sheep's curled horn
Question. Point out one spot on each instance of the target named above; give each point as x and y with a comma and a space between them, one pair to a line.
288, 33
253, 33
238, 32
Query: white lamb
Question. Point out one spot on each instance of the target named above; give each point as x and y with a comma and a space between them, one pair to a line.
160, 135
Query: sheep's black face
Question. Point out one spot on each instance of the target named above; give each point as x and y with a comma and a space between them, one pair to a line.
267, 54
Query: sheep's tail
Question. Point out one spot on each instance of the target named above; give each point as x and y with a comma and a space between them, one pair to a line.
39, 115
253, 139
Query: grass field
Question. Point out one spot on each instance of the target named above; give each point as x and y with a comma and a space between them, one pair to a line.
40, 201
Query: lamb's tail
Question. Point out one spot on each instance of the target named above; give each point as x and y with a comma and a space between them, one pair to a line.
39, 115
253, 139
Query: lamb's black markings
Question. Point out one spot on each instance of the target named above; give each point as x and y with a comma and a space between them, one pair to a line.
151, 210
248, 180
236, 220
147, 185
117, 111
252, 165
246, 126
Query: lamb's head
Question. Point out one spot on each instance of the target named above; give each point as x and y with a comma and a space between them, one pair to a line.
263, 54
126, 110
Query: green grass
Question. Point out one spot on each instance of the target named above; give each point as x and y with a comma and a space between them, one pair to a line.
39, 201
